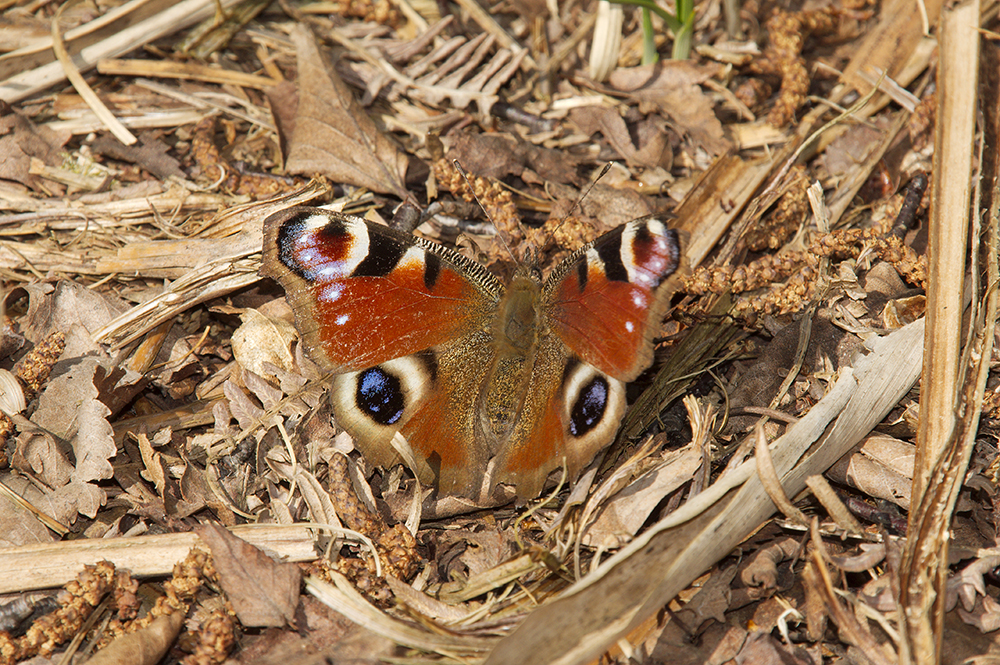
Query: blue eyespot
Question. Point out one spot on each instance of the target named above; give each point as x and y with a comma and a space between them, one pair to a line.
589, 406
380, 395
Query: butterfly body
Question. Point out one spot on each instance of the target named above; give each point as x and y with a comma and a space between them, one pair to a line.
488, 383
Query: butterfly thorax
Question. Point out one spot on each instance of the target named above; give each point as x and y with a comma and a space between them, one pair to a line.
517, 326
516, 335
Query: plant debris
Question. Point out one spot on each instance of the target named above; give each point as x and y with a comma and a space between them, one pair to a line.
782, 488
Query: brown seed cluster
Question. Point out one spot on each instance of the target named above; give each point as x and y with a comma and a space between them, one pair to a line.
787, 34
497, 201
208, 157
921, 123
35, 367
784, 219
33, 371
379, 11
76, 602
215, 639
396, 547
799, 271
754, 93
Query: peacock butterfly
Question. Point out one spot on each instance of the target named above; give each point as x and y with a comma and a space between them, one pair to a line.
488, 382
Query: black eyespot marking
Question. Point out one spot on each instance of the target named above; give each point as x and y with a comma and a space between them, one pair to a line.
383, 255
610, 251
429, 359
589, 406
380, 395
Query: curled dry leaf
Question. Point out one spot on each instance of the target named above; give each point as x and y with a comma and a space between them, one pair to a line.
146, 646
881, 467
11, 393
985, 615
333, 134
628, 510
871, 555
968, 584
86, 428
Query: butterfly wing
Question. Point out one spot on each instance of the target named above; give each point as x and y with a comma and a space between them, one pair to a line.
607, 300
364, 294
571, 410
601, 309
404, 322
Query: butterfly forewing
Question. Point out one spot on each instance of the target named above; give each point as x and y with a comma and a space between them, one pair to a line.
364, 294
607, 299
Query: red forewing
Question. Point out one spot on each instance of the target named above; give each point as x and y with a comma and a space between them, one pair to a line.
605, 302
364, 294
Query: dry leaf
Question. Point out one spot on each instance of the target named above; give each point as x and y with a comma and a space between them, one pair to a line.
672, 88
150, 153
765, 649
881, 467
628, 510
19, 142
146, 646
609, 122
499, 155
263, 592
985, 615
333, 134
18, 526
261, 340
64, 305
86, 428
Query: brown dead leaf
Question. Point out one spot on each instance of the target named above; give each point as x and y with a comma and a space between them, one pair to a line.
38, 453
155, 470
19, 142
850, 150
146, 646
499, 155
85, 427
881, 467
333, 134
628, 510
761, 571
264, 593
717, 644
283, 100
607, 207
326, 632
653, 146
985, 615
18, 526
61, 306
150, 153
968, 584
260, 339
763, 649
672, 88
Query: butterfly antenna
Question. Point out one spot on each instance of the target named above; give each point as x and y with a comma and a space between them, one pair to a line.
576, 204
468, 182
